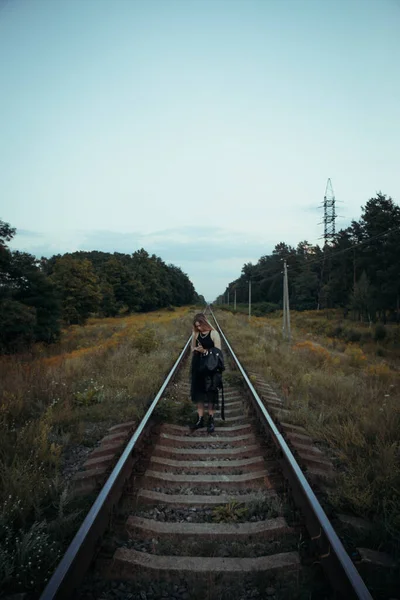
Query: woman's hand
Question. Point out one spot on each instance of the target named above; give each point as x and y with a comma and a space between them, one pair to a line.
200, 349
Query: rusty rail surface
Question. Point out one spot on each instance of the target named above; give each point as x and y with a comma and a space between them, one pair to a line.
338, 566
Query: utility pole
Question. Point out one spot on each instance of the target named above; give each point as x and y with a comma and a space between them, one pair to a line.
228, 296
249, 298
284, 302
234, 303
286, 310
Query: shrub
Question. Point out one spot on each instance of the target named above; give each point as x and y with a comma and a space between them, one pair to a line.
380, 371
90, 396
366, 336
352, 335
356, 356
265, 308
146, 341
315, 352
27, 558
380, 332
335, 331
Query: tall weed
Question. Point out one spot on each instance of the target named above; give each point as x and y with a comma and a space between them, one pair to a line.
56, 398
345, 398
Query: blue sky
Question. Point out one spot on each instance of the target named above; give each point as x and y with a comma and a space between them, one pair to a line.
202, 130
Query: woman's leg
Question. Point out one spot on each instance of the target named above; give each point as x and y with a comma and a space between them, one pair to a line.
211, 409
200, 418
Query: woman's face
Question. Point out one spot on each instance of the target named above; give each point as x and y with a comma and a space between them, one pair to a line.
198, 326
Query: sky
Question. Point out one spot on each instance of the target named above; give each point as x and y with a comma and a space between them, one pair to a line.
201, 130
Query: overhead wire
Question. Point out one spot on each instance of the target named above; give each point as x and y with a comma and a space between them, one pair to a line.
336, 253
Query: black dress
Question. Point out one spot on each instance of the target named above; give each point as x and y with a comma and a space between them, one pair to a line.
199, 393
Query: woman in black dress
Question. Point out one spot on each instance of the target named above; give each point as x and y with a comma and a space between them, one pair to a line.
204, 337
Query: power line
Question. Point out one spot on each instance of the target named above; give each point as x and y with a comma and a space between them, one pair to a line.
336, 253
367, 241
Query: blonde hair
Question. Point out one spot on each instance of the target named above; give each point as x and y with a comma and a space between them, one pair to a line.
201, 318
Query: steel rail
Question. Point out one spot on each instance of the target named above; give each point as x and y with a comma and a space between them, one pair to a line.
75, 562
335, 561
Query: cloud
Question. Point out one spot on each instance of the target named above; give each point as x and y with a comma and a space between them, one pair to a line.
197, 244
29, 233
211, 256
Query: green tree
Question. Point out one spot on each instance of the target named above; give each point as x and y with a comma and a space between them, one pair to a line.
17, 325
362, 299
306, 287
338, 274
78, 287
140, 282
378, 231
33, 288
29, 310
6, 233
127, 290
108, 304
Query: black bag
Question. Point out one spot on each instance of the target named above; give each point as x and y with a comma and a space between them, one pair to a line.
211, 363
212, 366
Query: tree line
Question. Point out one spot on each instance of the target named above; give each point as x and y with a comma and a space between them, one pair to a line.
359, 270
37, 297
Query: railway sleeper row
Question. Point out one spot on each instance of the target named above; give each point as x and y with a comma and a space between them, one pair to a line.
207, 516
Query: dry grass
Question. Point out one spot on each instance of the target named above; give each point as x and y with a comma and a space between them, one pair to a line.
346, 397
62, 397
375, 339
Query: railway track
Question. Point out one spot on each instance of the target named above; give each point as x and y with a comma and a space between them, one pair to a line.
191, 515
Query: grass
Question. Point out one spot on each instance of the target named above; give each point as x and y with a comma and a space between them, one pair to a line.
337, 332
66, 396
347, 397
267, 508
232, 511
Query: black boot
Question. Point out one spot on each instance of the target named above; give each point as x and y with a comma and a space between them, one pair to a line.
198, 425
210, 425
